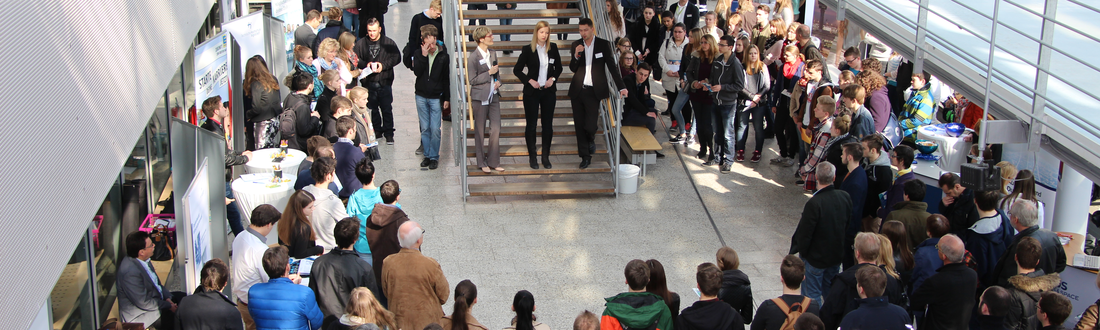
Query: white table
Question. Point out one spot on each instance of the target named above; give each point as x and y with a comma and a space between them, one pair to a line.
249, 195
261, 161
953, 151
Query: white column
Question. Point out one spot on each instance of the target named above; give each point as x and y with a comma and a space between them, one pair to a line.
1071, 207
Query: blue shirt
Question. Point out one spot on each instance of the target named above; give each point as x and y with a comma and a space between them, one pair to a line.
152, 276
360, 205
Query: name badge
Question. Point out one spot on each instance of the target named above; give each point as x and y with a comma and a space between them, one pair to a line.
551, 61
599, 55
484, 61
690, 15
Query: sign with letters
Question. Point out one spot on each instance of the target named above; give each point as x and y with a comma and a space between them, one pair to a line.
212, 75
1080, 287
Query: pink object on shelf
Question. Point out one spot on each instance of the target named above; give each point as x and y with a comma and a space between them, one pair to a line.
151, 220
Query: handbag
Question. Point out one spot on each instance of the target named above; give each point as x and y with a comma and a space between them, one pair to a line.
373, 153
164, 243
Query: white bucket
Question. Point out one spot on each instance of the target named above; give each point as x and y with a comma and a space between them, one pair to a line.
628, 178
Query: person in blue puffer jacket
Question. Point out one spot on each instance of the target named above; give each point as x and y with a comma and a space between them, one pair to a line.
282, 303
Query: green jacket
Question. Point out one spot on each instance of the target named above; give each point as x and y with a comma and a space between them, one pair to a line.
636, 310
914, 215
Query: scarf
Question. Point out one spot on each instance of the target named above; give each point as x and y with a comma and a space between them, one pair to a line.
325, 66
789, 69
353, 58
318, 86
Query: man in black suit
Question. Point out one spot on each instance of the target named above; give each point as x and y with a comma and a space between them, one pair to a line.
819, 238
141, 297
589, 87
949, 294
685, 12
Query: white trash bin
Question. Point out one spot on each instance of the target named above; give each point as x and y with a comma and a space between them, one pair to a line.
628, 178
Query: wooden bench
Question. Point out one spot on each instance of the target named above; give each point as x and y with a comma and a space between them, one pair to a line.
639, 140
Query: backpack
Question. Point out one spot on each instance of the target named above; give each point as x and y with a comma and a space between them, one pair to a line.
892, 133
792, 311
287, 120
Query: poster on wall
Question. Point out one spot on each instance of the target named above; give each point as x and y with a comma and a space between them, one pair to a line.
290, 12
196, 223
248, 32
212, 76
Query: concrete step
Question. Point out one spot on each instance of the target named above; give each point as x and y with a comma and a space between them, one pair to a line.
558, 168
542, 188
493, 13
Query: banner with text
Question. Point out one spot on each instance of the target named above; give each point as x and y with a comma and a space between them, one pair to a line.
212, 75
248, 32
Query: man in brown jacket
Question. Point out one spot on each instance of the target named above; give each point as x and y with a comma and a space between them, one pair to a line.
414, 284
382, 226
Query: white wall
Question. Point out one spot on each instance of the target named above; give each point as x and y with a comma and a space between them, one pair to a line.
82, 80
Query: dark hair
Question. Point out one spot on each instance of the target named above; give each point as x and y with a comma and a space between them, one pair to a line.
324, 151
814, 65
465, 294
808, 321
851, 51
321, 167
344, 125
997, 299
987, 200
341, 102
1023, 188
681, 26
948, 180
293, 213
312, 15
914, 189
1056, 306
210, 105
730, 40
924, 75
372, 21
135, 242
854, 149
524, 304
264, 215
937, 225
586, 21
872, 279
346, 232
658, 283
899, 240
316, 142
727, 258
433, 326
874, 141
644, 66
300, 81
668, 14
276, 260
793, 271
1028, 252
364, 171
389, 191
709, 279
429, 30
637, 274
214, 275
904, 154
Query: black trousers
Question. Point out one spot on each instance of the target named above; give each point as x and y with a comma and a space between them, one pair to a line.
586, 111
786, 133
633, 118
533, 100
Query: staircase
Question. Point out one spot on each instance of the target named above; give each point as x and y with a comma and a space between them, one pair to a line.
565, 178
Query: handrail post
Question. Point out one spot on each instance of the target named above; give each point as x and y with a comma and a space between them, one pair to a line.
1039, 104
988, 78
922, 27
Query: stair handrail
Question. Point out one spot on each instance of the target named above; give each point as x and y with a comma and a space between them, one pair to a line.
454, 28
612, 106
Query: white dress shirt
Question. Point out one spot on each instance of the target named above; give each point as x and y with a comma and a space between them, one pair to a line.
248, 266
544, 64
588, 50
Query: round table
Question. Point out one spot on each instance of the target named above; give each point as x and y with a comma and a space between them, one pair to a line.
262, 161
249, 194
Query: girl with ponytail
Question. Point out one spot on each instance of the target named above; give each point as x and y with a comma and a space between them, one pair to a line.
460, 318
524, 305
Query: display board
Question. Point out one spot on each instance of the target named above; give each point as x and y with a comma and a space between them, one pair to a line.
196, 249
290, 12
248, 32
212, 75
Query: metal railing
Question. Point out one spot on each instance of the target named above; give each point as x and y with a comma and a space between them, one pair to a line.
612, 106
460, 86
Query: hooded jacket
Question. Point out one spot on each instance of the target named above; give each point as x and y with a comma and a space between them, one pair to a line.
876, 313
636, 310
727, 72
708, 315
962, 213
987, 240
432, 82
1052, 260
843, 297
918, 110
737, 292
879, 178
382, 234
914, 214
1025, 291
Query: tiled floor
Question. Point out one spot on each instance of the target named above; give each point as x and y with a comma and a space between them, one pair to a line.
570, 251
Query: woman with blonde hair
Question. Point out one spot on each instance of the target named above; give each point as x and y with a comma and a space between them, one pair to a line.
364, 309
698, 76
785, 10
543, 66
757, 85
898, 237
358, 96
326, 60
350, 58
263, 108
618, 23
295, 227
303, 62
886, 256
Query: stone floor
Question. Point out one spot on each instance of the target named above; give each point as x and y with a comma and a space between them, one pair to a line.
570, 251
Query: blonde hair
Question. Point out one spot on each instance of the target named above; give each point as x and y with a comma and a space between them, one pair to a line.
437, 4
755, 65
722, 8
347, 40
361, 303
330, 75
1008, 174
480, 32
334, 13
708, 49
300, 52
535, 38
326, 46
356, 93
886, 256
780, 26
780, 4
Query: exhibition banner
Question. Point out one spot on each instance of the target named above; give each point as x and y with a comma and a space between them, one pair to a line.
212, 76
248, 32
290, 12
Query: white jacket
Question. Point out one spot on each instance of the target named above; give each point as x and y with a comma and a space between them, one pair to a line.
327, 211
670, 51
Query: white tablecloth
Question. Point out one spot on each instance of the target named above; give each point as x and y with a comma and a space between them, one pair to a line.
249, 195
261, 161
953, 151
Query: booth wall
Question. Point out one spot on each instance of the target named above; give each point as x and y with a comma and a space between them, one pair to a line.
79, 100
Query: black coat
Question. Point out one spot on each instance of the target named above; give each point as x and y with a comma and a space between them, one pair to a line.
876, 313
265, 103
232, 158
1052, 260
653, 38
691, 16
1026, 290
737, 292
383, 51
819, 237
208, 310
948, 296
433, 83
603, 57
962, 213
335, 274
710, 315
843, 297
305, 125
324, 102
529, 62
301, 246
770, 317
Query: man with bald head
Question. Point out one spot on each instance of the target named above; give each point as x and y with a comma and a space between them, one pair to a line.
414, 283
949, 294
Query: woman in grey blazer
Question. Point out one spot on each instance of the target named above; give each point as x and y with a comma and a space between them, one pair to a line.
485, 98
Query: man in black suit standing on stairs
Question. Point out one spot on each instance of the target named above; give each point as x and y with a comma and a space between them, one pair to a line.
589, 86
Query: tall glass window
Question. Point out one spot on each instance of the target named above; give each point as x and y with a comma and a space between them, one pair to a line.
71, 303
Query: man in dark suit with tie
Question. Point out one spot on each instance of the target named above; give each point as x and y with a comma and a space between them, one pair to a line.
141, 297
590, 56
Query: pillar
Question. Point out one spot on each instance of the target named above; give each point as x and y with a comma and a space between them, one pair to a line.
1071, 207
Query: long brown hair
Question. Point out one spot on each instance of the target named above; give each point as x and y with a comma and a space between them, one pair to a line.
294, 213
465, 295
361, 303
695, 37
895, 231
256, 70
658, 283
755, 65
614, 14
870, 80
707, 50
1024, 188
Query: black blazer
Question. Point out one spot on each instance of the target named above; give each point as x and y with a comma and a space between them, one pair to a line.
603, 56
819, 237
529, 60
691, 17
653, 37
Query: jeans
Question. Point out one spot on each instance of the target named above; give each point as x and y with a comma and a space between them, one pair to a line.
506, 37
678, 105
725, 125
477, 7
368, 258
818, 280
232, 214
351, 22
430, 112
757, 114
380, 103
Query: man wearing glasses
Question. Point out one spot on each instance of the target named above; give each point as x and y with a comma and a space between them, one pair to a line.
141, 297
727, 81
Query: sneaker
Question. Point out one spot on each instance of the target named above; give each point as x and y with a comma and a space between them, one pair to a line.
711, 162
420, 150
790, 162
389, 140
725, 168
674, 139
778, 160
425, 162
434, 164
755, 157
740, 156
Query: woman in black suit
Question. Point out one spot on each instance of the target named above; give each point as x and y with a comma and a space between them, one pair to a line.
543, 64
646, 37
